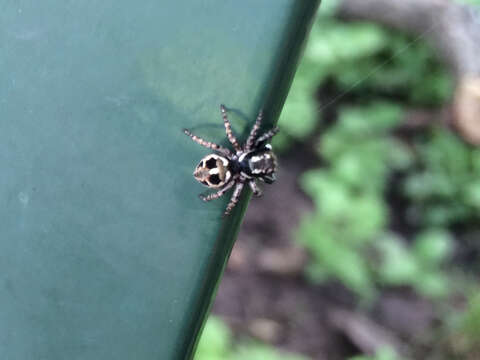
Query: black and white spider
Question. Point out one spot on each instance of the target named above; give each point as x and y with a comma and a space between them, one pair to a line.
254, 160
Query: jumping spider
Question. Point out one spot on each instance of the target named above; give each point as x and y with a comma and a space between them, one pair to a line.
254, 160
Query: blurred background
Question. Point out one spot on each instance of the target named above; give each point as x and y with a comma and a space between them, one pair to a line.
368, 245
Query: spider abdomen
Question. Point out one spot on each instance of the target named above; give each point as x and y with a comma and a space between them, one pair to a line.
212, 171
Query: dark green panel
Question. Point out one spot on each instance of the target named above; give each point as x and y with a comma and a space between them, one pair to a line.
105, 250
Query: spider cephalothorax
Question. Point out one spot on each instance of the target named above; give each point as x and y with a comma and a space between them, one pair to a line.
254, 160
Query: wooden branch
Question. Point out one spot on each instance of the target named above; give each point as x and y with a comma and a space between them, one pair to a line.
453, 29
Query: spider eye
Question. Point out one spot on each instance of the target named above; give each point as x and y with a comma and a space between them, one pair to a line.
211, 163
214, 179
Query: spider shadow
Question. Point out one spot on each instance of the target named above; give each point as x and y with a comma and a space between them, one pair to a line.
234, 115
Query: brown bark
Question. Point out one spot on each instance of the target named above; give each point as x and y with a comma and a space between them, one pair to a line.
453, 29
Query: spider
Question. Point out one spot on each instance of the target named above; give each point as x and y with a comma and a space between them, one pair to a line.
253, 161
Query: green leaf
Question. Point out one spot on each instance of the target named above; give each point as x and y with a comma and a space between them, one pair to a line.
445, 188
217, 344
333, 43
385, 353
253, 351
329, 8
216, 341
376, 117
335, 255
400, 156
398, 266
430, 184
470, 2
472, 194
433, 246
432, 284
298, 115
470, 320
358, 130
475, 158
326, 191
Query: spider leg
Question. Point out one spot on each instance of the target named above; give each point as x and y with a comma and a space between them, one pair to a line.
253, 133
208, 144
235, 197
217, 194
254, 186
266, 136
270, 179
228, 129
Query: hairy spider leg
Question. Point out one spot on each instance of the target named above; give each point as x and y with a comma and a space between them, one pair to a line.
254, 186
208, 144
228, 129
219, 193
266, 136
235, 197
253, 133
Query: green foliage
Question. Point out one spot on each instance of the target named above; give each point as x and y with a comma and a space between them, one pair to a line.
254, 351
351, 215
350, 210
362, 59
470, 322
465, 329
359, 148
445, 190
418, 265
347, 235
469, 2
394, 69
217, 343
382, 354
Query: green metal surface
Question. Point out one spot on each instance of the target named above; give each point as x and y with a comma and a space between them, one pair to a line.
106, 252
